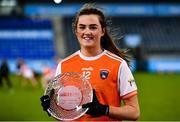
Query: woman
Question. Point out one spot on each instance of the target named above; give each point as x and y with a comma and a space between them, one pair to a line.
27, 73
104, 65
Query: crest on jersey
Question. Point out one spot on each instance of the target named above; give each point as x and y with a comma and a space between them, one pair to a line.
104, 74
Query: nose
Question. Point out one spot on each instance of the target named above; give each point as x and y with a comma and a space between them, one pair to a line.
87, 31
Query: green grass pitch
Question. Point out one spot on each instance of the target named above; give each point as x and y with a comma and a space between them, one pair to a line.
159, 99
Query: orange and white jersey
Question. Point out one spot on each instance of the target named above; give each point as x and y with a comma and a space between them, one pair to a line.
26, 71
48, 73
108, 74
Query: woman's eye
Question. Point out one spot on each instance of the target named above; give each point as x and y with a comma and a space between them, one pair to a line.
93, 28
81, 27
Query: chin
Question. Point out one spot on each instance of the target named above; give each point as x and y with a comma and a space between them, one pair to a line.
88, 45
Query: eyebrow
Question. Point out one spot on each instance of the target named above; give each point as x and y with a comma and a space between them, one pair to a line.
89, 25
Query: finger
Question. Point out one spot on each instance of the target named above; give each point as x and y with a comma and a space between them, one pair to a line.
90, 111
94, 95
87, 105
51, 92
48, 113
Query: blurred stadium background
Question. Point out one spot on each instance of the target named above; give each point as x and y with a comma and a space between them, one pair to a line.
38, 31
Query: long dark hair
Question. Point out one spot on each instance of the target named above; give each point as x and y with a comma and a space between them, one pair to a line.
107, 41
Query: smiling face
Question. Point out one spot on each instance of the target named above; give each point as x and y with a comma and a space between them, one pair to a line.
89, 31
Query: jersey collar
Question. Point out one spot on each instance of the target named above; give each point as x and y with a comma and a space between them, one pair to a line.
92, 57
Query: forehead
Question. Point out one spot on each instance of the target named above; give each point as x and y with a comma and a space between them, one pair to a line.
89, 19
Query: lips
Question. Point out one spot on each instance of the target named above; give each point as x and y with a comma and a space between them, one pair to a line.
87, 38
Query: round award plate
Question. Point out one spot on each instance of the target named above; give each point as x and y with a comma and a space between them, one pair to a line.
70, 91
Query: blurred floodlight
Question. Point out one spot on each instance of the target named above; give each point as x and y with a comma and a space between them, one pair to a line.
57, 1
133, 40
8, 3
7, 6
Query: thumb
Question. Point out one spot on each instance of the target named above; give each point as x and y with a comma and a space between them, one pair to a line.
52, 92
48, 113
44, 97
87, 105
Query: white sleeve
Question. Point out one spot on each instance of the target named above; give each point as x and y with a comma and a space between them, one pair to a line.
58, 69
126, 80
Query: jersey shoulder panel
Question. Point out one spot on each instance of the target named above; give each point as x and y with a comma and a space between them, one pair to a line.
113, 56
70, 58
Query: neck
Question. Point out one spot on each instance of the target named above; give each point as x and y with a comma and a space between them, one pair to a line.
91, 51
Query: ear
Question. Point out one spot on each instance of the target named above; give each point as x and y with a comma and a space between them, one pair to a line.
75, 32
103, 31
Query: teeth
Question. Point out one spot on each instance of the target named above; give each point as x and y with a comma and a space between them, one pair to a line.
87, 38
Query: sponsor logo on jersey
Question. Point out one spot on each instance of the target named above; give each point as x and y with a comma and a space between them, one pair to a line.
131, 81
104, 74
88, 68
